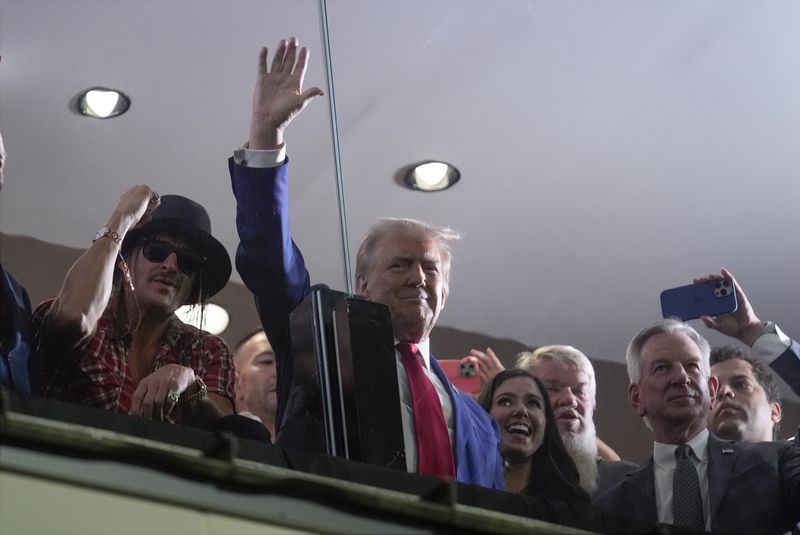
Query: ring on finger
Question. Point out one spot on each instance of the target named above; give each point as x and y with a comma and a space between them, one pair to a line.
173, 396
154, 197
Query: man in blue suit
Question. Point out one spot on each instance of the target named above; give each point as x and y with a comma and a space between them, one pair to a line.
695, 479
404, 264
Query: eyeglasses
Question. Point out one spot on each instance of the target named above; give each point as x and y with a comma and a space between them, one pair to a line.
188, 261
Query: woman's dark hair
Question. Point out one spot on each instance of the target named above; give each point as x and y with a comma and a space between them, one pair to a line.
553, 472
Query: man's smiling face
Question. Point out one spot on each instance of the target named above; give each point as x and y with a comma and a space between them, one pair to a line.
570, 395
405, 273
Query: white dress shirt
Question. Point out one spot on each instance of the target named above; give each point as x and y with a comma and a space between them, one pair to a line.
664, 459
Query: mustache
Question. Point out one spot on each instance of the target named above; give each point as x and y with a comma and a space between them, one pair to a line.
166, 277
568, 411
719, 407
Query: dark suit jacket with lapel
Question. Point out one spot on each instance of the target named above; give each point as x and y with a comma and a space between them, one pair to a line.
273, 269
609, 473
753, 488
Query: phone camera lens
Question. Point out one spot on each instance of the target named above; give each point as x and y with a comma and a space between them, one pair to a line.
718, 285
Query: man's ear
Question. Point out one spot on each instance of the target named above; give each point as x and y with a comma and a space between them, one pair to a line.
775, 413
361, 285
633, 399
713, 387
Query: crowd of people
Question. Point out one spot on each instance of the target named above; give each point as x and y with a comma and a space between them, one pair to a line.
110, 339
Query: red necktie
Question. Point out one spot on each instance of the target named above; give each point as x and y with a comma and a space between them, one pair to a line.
434, 451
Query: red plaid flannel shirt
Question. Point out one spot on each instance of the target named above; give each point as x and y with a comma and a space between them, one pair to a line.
98, 374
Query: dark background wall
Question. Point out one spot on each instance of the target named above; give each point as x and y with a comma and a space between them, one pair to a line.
41, 267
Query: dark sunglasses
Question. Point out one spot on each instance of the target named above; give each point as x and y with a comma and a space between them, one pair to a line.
188, 261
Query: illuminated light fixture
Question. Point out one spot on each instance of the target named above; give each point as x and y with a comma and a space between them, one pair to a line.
103, 103
432, 176
215, 321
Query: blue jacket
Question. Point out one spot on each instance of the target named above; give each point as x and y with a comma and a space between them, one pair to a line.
17, 363
273, 269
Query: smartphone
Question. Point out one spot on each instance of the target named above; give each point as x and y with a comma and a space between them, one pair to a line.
462, 373
711, 298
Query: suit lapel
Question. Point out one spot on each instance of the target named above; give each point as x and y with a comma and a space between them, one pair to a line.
460, 429
643, 483
721, 460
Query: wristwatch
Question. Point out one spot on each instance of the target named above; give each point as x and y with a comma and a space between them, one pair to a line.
107, 232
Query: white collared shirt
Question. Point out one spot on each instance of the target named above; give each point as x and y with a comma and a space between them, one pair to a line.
664, 459
407, 412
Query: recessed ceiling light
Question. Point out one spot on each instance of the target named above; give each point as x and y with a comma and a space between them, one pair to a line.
103, 103
432, 176
215, 321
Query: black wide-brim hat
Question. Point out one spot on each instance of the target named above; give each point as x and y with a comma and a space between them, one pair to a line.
187, 220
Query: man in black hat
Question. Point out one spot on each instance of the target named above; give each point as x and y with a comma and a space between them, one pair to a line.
111, 339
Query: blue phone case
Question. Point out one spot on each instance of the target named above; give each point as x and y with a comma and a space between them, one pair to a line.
690, 302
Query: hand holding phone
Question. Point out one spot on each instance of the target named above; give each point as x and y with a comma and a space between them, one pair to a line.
743, 324
462, 373
710, 298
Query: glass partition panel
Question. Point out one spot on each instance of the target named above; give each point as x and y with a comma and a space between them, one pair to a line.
608, 151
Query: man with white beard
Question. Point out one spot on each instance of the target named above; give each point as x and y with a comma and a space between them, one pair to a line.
569, 378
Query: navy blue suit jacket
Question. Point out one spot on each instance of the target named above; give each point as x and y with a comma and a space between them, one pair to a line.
273, 269
753, 488
18, 367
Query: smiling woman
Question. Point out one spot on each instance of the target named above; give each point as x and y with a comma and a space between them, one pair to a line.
536, 461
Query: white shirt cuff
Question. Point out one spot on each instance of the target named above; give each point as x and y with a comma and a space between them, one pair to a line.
248, 414
259, 158
771, 344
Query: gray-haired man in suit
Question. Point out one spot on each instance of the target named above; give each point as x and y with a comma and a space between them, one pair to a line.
712, 485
